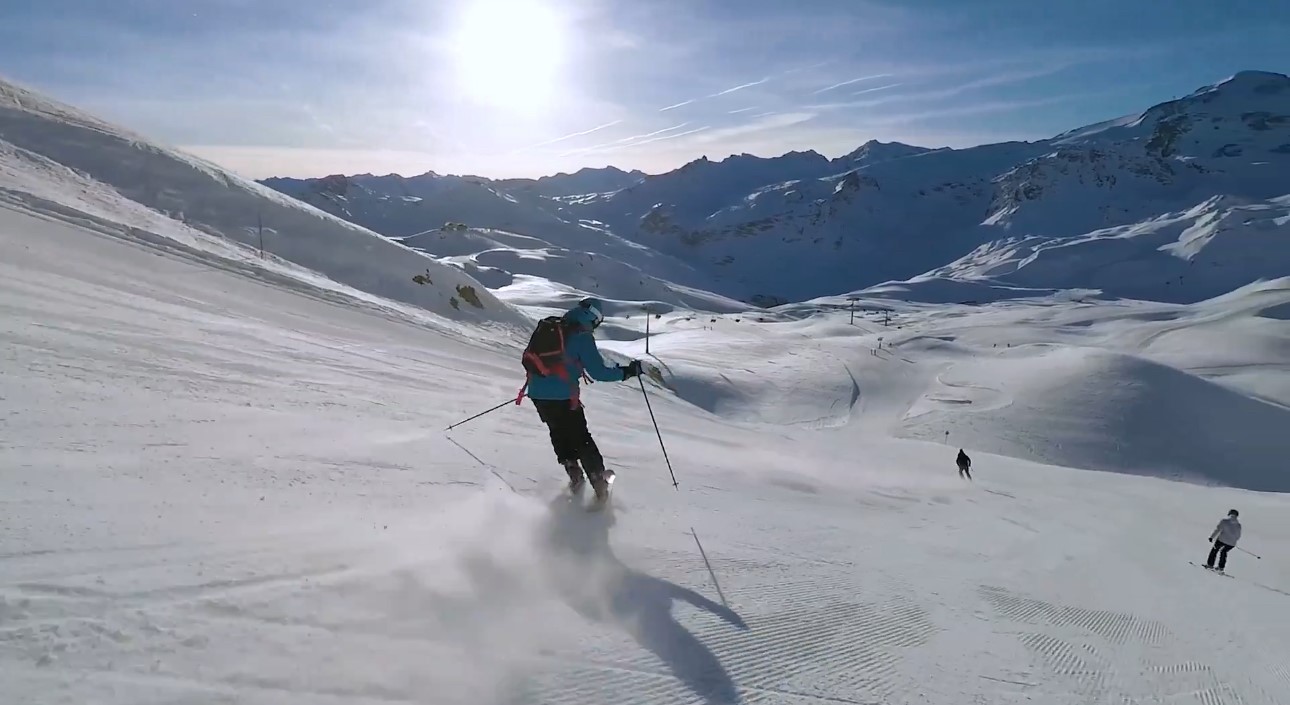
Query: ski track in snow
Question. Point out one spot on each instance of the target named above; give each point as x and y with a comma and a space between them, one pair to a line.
215, 490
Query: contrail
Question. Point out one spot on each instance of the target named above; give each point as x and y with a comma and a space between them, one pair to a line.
854, 80
624, 140
598, 128
651, 140
879, 88
714, 95
740, 88
678, 105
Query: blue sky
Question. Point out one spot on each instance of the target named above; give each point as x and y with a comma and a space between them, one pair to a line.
531, 87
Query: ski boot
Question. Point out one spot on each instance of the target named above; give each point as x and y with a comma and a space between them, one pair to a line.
600, 484
576, 479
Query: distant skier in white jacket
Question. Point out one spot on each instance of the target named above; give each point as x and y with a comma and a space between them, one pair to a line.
1224, 538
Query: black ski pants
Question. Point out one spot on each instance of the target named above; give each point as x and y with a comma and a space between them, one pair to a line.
965, 471
569, 435
1219, 551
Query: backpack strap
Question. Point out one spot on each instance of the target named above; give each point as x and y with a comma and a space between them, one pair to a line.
575, 396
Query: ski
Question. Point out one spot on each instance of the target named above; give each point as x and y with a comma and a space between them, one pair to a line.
1212, 570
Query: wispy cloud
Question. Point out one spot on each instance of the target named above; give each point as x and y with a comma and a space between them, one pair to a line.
570, 136
658, 136
766, 122
1004, 78
740, 87
718, 94
811, 67
655, 133
674, 106
995, 106
740, 110
1001, 78
878, 88
624, 140
671, 137
851, 82
761, 122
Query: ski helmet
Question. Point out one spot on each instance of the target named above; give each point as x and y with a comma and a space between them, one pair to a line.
587, 313
1233, 513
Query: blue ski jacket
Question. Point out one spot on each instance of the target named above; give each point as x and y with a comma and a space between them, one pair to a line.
581, 355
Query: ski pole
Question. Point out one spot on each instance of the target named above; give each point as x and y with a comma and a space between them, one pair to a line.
482, 413
487, 466
1251, 553
658, 433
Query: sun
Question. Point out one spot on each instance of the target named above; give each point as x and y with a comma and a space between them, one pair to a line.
510, 53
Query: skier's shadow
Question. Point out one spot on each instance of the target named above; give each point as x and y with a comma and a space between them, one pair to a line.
601, 588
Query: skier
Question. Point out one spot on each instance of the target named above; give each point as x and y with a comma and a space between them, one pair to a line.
1224, 538
965, 464
561, 350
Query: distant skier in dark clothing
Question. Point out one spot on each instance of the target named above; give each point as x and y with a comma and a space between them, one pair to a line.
965, 464
1224, 538
561, 351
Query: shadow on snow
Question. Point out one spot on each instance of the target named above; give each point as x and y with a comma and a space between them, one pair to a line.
602, 588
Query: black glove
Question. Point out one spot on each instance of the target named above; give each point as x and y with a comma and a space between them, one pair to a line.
633, 369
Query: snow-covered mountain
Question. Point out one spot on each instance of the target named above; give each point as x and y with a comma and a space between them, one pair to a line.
564, 210
801, 237
399, 206
462, 219
63, 163
1246, 116
806, 237
583, 181
509, 263
799, 226
873, 152
1205, 251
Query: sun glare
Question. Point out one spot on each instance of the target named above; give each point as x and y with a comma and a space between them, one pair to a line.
509, 53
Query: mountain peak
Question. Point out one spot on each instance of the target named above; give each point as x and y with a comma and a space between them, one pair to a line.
745, 157
1247, 113
589, 171
588, 180
1242, 82
873, 151
1251, 75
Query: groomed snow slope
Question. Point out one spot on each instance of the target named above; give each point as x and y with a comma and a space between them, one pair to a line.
1085, 407
217, 490
1165, 390
58, 160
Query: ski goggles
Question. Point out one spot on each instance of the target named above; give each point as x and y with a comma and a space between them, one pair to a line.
596, 316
